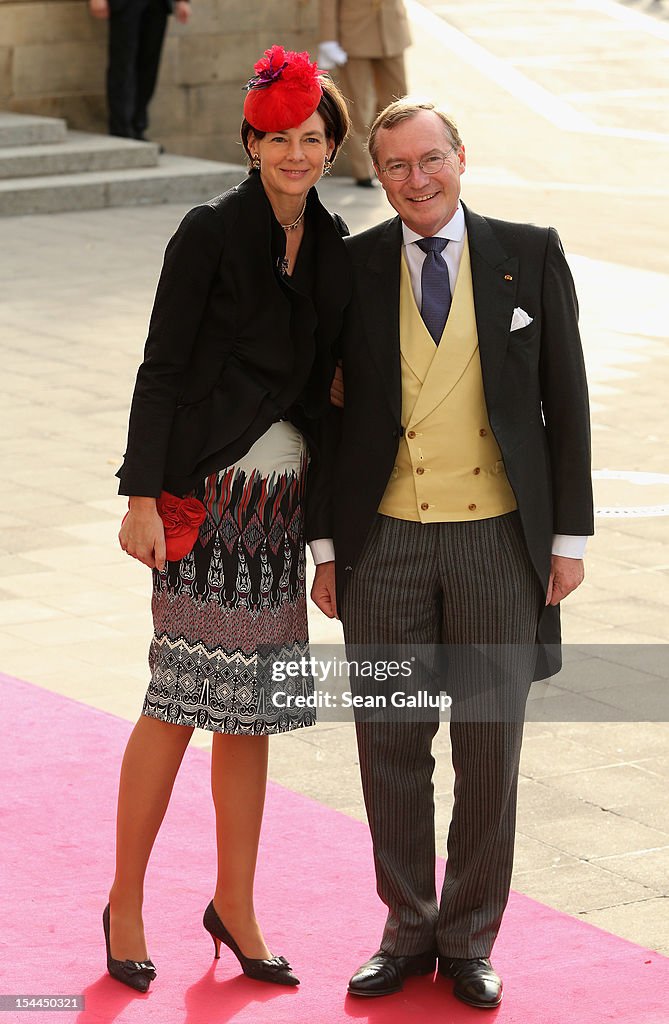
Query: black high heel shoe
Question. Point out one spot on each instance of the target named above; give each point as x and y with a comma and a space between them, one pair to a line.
136, 974
277, 969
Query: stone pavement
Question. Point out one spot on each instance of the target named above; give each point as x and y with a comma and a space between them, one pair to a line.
557, 133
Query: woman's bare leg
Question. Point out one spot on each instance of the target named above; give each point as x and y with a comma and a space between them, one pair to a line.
150, 765
238, 783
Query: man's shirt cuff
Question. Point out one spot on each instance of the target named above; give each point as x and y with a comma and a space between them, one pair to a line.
567, 546
322, 550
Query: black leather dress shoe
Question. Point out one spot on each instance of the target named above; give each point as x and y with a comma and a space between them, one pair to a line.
476, 982
385, 974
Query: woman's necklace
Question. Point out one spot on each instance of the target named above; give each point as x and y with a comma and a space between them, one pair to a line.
296, 223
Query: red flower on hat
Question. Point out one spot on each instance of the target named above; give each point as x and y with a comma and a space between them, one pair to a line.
269, 68
285, 91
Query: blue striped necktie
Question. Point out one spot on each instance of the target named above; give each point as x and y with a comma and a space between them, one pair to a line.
435, 286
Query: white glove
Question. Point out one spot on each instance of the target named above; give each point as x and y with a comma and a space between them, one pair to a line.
331, 55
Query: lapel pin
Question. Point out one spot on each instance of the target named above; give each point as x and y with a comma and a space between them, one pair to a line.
508, 277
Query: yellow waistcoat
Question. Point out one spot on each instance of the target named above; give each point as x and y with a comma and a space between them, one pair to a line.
449, 467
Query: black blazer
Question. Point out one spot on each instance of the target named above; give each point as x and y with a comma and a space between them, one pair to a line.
534, 382
232, 345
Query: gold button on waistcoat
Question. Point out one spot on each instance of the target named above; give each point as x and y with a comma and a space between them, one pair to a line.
425, 506
472, 508
411, 434
477, 471
420, 471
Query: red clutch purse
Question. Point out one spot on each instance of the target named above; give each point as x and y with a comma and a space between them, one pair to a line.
182, 519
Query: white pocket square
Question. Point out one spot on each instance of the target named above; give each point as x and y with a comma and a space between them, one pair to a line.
520, 319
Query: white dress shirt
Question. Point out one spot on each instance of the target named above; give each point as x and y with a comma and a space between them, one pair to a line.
456, 233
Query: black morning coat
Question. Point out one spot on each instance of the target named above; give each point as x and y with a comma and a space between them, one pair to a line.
233, 346
534, 382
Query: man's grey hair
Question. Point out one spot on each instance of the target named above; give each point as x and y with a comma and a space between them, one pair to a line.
403, 110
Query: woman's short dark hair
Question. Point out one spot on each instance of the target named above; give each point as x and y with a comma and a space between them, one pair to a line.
332, 109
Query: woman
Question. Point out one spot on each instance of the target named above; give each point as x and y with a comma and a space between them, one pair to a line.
226, 411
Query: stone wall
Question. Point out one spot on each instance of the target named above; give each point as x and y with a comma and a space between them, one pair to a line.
53, 60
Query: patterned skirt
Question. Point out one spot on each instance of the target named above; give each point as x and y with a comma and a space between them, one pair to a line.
236, 605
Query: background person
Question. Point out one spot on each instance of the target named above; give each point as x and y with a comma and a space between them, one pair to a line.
226, 409
366, 39
464, 376
135, 43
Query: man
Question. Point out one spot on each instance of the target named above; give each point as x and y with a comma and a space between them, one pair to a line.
462, 500
136, 34
367, 39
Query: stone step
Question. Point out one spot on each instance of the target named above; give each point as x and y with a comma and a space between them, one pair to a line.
176, 179
80, 152
29, 130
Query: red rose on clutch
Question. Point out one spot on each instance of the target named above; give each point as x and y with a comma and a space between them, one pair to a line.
182, 519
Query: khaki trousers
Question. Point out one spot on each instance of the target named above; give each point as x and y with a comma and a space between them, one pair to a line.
370, 84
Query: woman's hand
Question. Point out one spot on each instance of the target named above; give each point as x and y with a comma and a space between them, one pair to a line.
142, 534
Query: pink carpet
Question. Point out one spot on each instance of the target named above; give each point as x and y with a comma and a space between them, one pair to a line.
315, 896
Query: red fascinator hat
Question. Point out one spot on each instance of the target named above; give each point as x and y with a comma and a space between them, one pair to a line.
285, 91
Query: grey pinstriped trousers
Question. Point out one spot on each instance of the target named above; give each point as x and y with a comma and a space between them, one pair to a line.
456, 584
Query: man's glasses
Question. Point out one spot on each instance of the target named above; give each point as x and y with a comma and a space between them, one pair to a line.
399, 170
